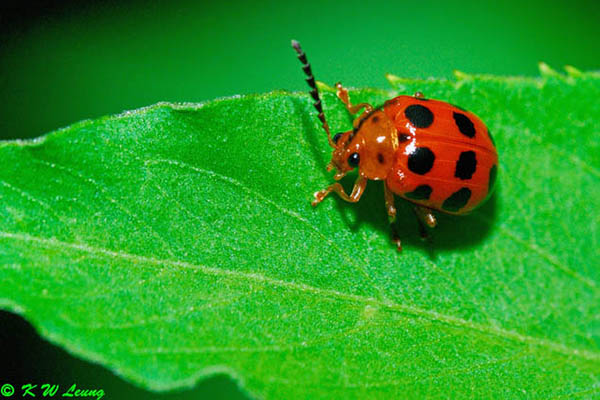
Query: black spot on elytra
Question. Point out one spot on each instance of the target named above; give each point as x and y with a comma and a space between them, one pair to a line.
380, 158
465, 125
421, 192
457, 200
403, 138
466, 165
421, 160
492, 180
375, 119
419, 116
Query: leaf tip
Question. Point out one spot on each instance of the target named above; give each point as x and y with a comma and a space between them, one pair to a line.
398, 82
547, 71
573, 72
391, 78
460, 75
324, 87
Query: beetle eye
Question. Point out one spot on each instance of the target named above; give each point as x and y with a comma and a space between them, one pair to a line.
353, 160
337, 137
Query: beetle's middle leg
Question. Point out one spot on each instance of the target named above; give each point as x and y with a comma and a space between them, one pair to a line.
391, 211
389, 203
425, 217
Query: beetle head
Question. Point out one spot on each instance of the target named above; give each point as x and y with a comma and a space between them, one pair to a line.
346, 154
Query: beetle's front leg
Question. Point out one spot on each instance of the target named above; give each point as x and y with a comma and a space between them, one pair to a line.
357, 191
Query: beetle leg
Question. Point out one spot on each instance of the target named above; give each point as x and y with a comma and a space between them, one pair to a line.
425, 217
395, 237
419, 95
357, 191
389, 203
342, 94
391, 210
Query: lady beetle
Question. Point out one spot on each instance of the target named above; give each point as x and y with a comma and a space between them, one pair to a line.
429, 152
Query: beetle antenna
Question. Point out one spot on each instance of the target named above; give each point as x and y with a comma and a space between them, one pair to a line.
313, 92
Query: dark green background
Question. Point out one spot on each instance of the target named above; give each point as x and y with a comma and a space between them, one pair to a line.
60, 63
90, 59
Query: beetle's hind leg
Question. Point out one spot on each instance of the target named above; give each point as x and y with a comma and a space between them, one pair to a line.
342, 94
426, 219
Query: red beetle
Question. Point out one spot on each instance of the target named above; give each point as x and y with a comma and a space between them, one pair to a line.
429, 152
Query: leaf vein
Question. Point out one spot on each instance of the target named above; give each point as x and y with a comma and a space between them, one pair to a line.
545, 344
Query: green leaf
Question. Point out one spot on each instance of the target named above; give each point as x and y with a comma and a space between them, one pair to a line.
177, 241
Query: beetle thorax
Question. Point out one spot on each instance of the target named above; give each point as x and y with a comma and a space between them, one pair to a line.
374, 140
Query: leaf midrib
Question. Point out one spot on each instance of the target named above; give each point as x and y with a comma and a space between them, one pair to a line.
545, 344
